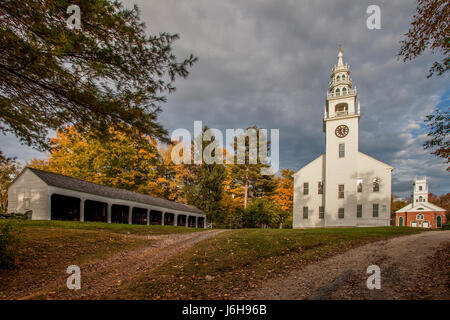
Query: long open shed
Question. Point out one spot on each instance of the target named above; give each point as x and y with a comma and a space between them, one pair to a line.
52, 196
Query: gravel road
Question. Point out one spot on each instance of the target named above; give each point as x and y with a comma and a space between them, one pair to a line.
412, 267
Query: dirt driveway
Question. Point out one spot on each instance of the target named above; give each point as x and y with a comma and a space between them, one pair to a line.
412, 267
102, 278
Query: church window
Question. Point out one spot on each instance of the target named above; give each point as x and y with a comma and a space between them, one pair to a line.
359, 211
420, 188
420, 199
338, 92
26, 204
321, 212
341, 213
341, 191
419, 216
306, 188
320, 187
338, 78
376, 185
341, 150
359, 185
344, 91
375, 210
343, 77
305, 212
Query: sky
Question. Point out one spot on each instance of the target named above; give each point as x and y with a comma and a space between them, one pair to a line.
268, 63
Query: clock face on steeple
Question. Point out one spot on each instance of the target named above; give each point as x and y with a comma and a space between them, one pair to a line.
341, 131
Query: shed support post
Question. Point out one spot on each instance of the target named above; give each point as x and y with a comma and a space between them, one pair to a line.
109, 211
82, 210
130, 213
50, 206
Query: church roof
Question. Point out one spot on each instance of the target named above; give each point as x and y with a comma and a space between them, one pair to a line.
381, 162
309, 163
422, 206
65, 182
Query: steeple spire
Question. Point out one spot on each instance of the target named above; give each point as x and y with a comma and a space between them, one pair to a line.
341, 83
340, 55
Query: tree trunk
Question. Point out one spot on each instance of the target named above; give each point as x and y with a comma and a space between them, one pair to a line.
245, 194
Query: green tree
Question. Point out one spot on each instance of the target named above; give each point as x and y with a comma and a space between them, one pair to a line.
204, 186
107, 72
246, 179
9, 169
438, 129
262, 212
430, 29
11, 235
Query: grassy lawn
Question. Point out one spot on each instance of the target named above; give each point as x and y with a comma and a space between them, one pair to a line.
47, 248
110, 227
240, 259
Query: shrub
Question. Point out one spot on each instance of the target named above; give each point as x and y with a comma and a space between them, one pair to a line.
10, 230
446, 226
288, 223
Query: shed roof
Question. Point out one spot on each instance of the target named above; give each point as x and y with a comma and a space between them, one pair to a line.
66, 182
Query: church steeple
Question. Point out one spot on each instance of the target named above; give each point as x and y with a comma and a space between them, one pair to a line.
341, 90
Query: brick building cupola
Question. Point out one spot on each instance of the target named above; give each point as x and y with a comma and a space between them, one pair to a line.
420, 191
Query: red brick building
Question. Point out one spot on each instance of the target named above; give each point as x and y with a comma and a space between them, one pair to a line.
420, 213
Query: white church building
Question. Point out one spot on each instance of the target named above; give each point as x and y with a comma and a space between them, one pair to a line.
342, 187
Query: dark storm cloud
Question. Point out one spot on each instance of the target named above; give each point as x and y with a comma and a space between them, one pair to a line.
268, 63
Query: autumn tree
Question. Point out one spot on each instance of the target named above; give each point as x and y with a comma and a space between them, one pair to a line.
108, 72
396, 204
283, 195
442, 201
171, 177
430, 29
121, 161
9, 169
231, 211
